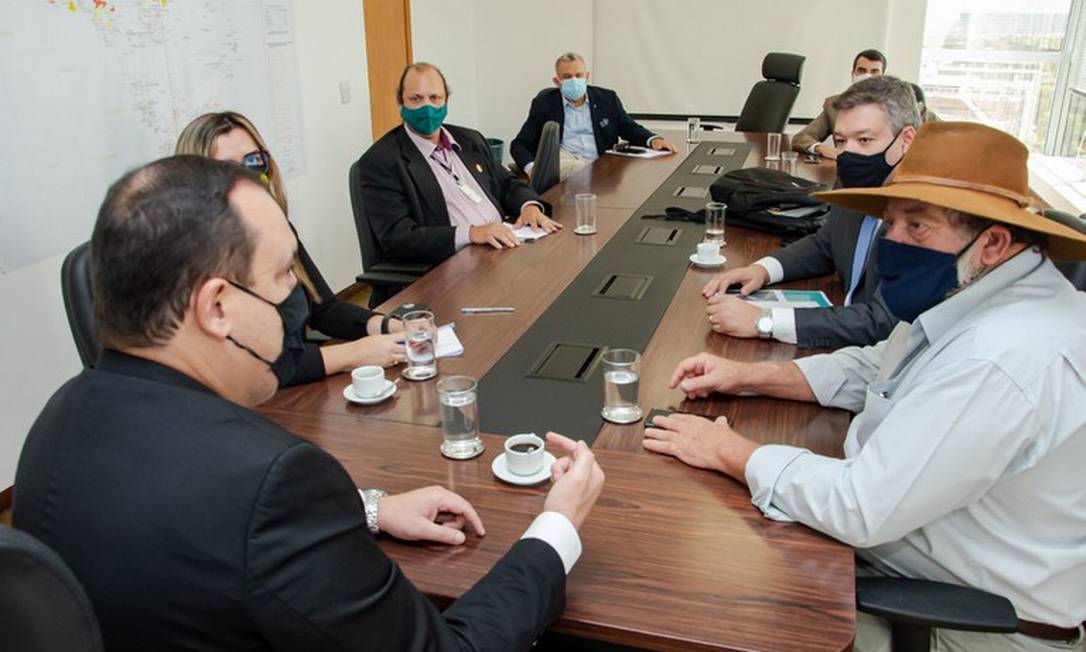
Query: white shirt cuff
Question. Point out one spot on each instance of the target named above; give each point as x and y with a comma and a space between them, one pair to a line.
648, 143
773, 266
811, 149
784, 325
558, 532
764, 469
462, 237
528, 168
530, 203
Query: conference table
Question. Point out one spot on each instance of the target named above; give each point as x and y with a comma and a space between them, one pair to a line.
674, 558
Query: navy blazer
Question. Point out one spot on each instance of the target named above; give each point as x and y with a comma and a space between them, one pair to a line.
609, 122
403, 201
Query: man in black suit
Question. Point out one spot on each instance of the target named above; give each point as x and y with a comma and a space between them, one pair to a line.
195, 523
430, 189
591, 120
877, 119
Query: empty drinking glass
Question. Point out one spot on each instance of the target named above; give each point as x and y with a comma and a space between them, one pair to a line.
773, 147
459, 417
586, 213
420, 336
693, 130
714, 222
621, 378
788, 161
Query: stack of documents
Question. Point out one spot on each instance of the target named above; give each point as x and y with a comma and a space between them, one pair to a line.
448, 344
529, 233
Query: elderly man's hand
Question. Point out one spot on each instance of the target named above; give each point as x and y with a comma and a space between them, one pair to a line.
701, 443
733, 316
533, 217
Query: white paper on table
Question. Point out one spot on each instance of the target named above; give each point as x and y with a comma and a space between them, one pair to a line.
640, 152
448, 344
529, 233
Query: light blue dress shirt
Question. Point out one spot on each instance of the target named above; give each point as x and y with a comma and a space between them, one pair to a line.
577, 135
964, 461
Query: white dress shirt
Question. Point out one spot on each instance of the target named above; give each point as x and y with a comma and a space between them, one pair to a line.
964, 462
784, 319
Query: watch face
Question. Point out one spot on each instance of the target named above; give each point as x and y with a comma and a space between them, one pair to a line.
765, 325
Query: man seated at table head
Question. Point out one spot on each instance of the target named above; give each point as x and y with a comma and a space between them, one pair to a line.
876, 122
430, 189
591, 119
195, 523
963, 463
869, 63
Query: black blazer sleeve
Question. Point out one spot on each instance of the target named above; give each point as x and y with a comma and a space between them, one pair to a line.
524, 146
809, 256
395, 217
859, 324
628, 128
316, 579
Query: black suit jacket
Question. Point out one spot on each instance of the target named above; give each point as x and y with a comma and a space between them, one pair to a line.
196, 524
609, 122
328, 314
403, 201
830, 250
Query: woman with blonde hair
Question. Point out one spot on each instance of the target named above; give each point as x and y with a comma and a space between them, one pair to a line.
229, 136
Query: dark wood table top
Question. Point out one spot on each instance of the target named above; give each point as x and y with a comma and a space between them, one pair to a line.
675, 558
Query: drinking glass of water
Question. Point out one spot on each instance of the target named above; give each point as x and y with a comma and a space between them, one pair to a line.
773, 147
459, 417
420, 336
621, 376
714, 222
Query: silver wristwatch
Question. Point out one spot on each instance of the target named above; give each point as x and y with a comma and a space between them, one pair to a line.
765, 325
369, 501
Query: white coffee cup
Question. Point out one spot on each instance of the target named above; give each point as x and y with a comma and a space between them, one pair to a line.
524, 454
368, 381
708, 252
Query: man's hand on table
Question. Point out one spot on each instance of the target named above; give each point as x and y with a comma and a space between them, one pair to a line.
701, 443
428, 514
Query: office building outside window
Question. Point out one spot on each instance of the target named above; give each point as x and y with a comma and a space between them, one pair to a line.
1019, 66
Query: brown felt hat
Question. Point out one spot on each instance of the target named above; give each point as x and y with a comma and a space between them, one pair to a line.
971, 168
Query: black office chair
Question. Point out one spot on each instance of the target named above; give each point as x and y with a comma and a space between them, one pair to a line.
770, 101
386, 278
545, 169
43, 608
75, 286
914, 607
1074, 270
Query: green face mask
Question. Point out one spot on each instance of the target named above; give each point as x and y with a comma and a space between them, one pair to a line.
426, 119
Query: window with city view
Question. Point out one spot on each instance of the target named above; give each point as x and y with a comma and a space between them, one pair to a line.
1019, 66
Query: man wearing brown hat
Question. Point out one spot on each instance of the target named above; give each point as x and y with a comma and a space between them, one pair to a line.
963, 463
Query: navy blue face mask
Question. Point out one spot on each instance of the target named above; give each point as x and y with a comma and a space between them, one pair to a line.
294, 313
913, 279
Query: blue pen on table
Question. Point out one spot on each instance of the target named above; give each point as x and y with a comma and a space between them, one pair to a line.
485, 311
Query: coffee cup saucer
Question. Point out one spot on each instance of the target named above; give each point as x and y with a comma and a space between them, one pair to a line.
501, 470
720, 260
389, 390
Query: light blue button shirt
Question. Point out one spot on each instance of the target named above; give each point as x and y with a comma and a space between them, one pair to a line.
963, 463
577, 135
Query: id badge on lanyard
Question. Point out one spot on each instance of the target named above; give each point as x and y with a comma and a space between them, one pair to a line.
469, 192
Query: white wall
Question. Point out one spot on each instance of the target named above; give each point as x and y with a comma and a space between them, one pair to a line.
37, 354
497, 54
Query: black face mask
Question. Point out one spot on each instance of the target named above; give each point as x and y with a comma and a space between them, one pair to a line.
294, 313
864, 170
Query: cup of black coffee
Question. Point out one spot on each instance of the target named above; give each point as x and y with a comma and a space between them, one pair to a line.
524, 454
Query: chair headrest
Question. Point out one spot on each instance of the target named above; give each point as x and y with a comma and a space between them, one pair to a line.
781, 66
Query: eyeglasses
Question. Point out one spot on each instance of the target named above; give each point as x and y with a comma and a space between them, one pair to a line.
258, 161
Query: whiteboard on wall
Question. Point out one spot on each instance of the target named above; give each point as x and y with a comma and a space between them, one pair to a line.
92, 88
701, 57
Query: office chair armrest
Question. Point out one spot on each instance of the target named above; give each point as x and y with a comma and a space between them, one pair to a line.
935, 604
386, 278
411, 269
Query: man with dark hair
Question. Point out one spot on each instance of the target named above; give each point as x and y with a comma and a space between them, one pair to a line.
963, 462
876, 121
869, 63
590, 119
195, 523
430, 189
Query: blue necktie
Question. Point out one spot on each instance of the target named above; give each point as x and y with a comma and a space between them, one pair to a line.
859, 257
